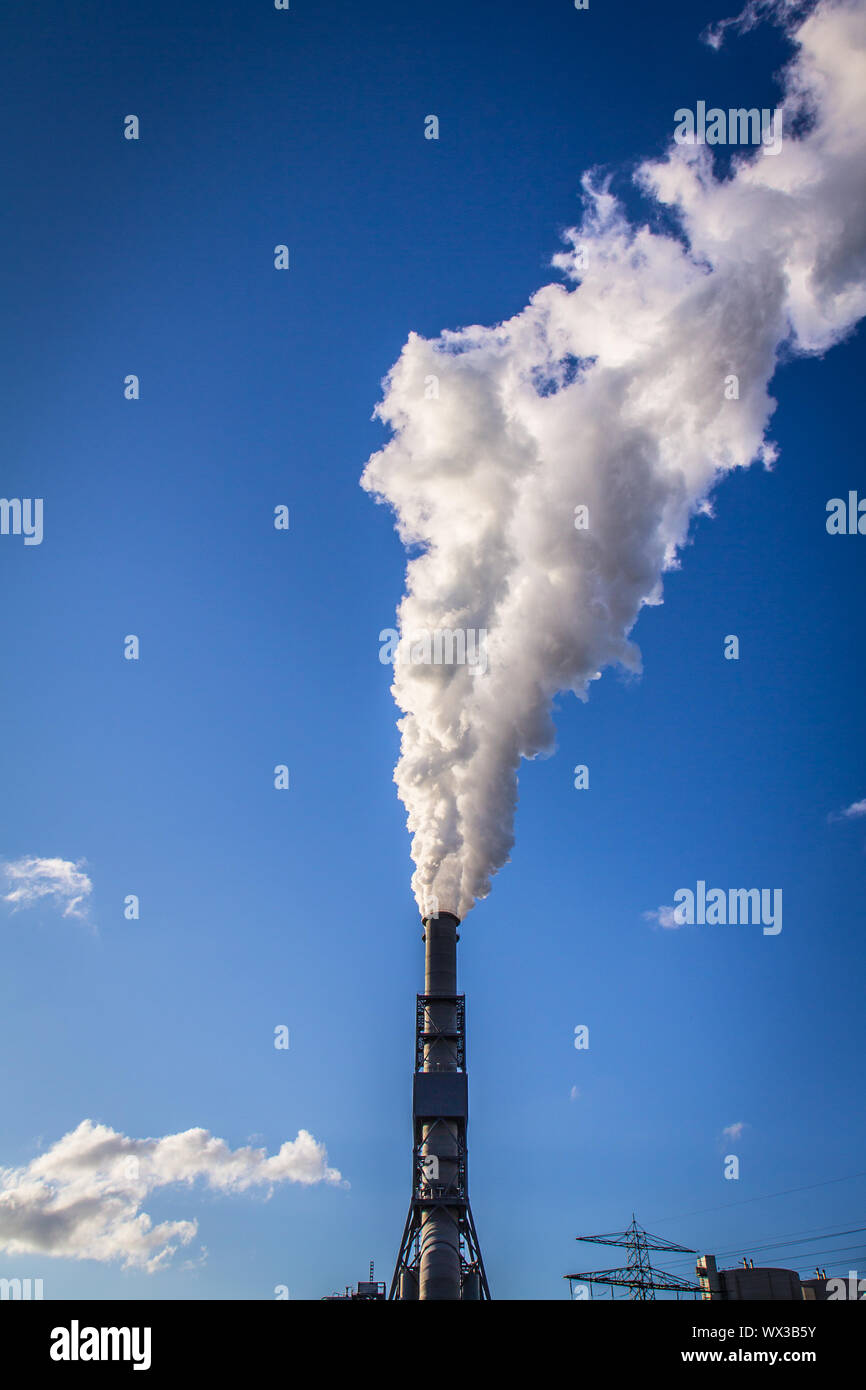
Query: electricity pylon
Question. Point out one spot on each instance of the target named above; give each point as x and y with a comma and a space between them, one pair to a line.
638, 1276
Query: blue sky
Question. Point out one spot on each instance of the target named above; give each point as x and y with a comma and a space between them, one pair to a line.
261, 908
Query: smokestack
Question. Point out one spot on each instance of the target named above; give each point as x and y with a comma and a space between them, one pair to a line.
439, 1267
439, 1255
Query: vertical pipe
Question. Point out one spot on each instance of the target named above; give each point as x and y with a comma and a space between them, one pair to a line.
439, 1264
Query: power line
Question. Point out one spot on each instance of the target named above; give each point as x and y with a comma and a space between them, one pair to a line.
810, 1257
786, 1192
809, 1233
827, 1254
796, 1239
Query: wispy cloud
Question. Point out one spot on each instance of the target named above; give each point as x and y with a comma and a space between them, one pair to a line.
753, 13
63, 881
734, 1131
82, 1199
663, 917
852, 812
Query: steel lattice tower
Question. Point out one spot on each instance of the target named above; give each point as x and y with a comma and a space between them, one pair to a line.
638, 1275
439, 1256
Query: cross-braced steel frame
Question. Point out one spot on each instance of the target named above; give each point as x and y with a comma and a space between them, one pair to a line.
428, 1194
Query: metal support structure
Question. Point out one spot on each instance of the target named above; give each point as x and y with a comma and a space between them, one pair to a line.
439, 1256
638, 1276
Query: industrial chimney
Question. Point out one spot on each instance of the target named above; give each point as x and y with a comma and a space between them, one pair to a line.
439, 1254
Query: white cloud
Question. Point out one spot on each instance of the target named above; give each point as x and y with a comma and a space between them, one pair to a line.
63, 881
82, 1199
852, 812
574, 1093
752, 13
664, 916
734, 1131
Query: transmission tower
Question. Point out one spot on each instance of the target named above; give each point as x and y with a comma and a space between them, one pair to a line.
638, 1275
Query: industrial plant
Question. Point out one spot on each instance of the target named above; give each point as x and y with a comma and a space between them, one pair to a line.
439, 1256
641, 1281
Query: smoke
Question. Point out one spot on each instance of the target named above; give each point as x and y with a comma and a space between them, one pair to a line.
82, 1198
615, 395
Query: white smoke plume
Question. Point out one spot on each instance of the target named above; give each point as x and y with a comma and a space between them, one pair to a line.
608, 395
82, 1198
